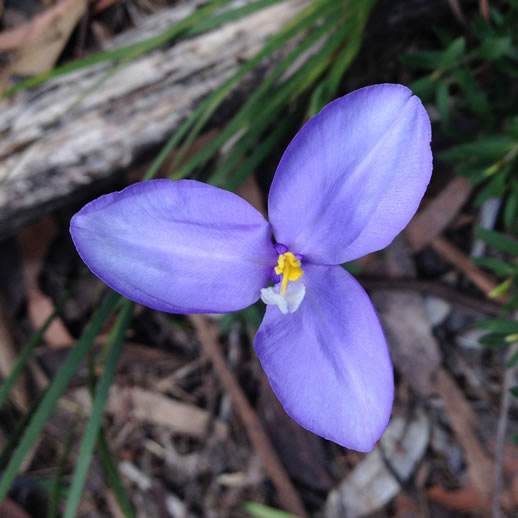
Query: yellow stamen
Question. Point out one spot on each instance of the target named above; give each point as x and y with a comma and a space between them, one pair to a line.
289, 267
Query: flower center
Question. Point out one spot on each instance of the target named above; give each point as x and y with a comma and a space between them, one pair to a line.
289, 267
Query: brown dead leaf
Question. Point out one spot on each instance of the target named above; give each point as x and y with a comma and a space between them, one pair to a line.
431, 221
144, 405
33, 242
31, 31
39, 43
461, 500
40, 308
10, 509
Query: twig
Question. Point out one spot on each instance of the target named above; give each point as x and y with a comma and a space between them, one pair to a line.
483, 6
442, 291
505, 403
463, 422
457, 11
477, 276
287, 494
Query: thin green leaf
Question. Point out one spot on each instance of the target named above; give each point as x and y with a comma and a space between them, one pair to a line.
306, 74
262, 511
513, 361
453, 54
114, 479
495, 47
57, 490
424, 87
497, 240
475, 94
499, 325
55, 390
23, 358
514, 391
502, 288
494, 340
14, 437
349, 51
94, 422
301, 22
262, 150
427, 59
511, 208
495, 186
487, 149
495, 265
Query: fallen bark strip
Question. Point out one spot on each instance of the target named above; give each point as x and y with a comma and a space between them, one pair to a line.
54, 141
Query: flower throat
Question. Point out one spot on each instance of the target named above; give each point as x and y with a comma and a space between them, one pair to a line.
289, 267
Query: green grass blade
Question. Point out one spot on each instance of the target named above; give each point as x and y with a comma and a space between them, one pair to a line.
94, 422
14, 436
55, 390
305, 19
26, 353
244, 116
260, 153
223, 177
112, 473
359, 13
262, 511
211, 103
58, 485
105, 454
204, 26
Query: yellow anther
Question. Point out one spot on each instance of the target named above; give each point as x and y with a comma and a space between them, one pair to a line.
289, 267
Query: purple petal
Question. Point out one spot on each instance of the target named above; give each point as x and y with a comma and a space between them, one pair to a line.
328, 362
353, 176
181, 247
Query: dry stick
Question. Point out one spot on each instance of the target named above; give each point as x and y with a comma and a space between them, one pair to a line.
437, 289
457, 11
479, 278
484, 8
288, 497
463, 422
505, 403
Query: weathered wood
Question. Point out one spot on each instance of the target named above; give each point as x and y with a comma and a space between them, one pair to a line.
54, 140
54, 143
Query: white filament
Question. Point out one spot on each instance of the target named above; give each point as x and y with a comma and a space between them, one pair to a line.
290, 301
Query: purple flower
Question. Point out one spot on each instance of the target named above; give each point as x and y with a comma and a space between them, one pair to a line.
346, 185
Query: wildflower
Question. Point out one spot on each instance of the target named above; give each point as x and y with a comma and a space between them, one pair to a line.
347, 184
